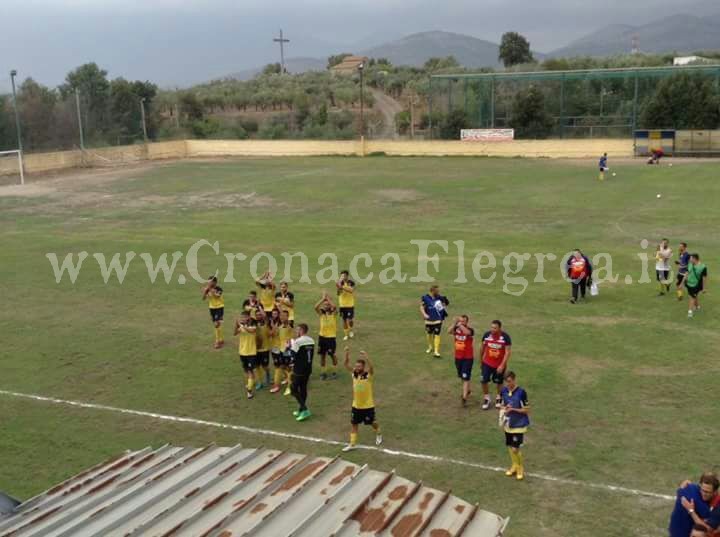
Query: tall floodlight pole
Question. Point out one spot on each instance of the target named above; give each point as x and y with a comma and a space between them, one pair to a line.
282, 42
13, 74
361, 68
142, 116
79, 116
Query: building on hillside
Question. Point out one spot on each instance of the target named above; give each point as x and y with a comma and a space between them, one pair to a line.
687, 60
217, 491
349, 65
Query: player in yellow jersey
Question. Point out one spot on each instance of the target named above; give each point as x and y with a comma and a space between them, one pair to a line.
286, 333
346, 302
262, 336
363, 404
285, 301
266, 292
251, 305
327, 335
213, 293
275, 349
247, 348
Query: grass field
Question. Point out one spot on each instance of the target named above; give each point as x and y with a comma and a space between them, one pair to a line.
622, 387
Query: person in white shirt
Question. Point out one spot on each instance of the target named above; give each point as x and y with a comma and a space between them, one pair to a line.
662, 266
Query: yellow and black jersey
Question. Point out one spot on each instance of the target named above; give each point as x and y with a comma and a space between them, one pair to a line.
215, 298
285, 334
262, 337
328, 324
281, 299
247, 343
346, 294
363, 390
266, 295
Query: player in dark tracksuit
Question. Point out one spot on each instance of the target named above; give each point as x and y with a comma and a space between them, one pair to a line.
302, 349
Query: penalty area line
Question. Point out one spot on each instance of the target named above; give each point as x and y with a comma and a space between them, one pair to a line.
325, 441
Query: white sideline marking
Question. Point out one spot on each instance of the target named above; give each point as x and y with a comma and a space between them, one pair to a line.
316, 440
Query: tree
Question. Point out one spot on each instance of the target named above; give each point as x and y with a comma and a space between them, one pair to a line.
452, 124
8, 139
336, 59
37, 105
683, 101
272, 69
125, 116
529, 117
190, 106
94, 88
436, 64
514, 49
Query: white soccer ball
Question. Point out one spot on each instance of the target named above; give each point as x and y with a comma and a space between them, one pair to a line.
671, 164
659, 196
614, 174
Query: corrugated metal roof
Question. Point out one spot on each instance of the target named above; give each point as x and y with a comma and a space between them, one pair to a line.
233, 492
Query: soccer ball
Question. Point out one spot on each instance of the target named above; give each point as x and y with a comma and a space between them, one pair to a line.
614, 174
659, 196
670, 164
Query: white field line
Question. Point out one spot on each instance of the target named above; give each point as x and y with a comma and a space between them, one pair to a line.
317, 440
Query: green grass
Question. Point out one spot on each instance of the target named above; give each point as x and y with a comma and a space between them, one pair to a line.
622, 387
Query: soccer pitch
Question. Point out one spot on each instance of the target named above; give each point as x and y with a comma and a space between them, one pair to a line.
622, 387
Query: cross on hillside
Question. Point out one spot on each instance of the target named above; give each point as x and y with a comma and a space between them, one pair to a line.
282, 42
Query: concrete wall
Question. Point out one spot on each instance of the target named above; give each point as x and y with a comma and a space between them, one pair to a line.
271, 148
517, 148
45, 162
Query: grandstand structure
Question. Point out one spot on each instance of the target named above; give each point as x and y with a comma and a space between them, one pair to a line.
585, 103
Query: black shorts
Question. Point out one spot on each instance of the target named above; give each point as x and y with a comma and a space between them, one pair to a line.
433, 329
464, 368
263, 358
662, 275
287, 360
514, 440
249, 363
277, 359
694, 291
491, 373
362, 416
679, 278
327, 345
216, 314
347, 313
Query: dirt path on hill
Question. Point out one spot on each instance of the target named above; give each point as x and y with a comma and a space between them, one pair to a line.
388, 107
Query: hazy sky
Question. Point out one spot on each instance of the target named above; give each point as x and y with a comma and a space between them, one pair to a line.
183, 41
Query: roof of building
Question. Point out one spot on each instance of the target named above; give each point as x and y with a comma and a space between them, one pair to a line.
226, 492
349, 63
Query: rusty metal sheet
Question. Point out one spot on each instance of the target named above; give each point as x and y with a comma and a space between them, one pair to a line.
237, 492
450, 519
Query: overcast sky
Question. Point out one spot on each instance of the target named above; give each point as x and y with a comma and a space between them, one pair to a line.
176, 42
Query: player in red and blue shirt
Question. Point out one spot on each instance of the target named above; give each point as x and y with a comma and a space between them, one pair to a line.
464, 352
494, 355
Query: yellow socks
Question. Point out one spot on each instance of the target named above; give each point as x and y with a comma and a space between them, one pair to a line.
277, 376
346, 331
436, 341
353, 439
430, 339
250, 383
219, 333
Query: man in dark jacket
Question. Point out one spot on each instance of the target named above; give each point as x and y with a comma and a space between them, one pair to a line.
302, 349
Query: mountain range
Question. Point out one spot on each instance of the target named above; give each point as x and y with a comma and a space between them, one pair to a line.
681, 33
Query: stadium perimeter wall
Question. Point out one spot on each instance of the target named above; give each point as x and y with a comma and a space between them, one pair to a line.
60, 160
